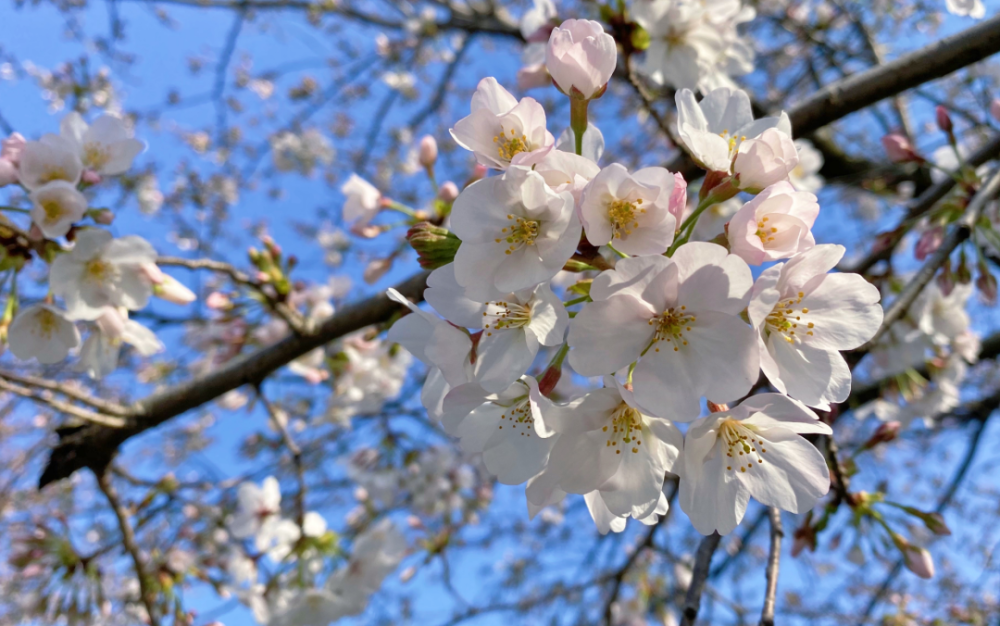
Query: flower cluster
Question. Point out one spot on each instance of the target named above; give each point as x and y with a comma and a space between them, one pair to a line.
667, 324
98, 277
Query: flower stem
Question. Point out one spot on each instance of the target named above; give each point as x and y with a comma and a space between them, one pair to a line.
687, 227
401, 208
578, 120
617, 251
577, 301
14, 209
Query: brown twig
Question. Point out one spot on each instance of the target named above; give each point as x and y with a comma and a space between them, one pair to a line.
702, 563
773, 562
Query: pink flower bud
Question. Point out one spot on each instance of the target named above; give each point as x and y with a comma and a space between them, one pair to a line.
448, 191
581, 58
153, 273
679, 198
91, 177
987, 285
104, 216
918, 560
218, 301
376, 269
171, 290
995, 109
478, 173
428, 151
943, 119
883, 434
945, 281
899, 148
929, 241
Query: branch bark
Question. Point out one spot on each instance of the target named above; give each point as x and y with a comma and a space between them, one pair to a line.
773, 562
703, 560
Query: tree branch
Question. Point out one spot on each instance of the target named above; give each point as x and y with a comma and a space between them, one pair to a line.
703, 560
773, 561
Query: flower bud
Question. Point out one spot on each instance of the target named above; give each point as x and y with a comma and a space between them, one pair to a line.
804, 538
945, 279
899, 149
929, 241
885, 433
478, 173
171, 290
103, 216
918, 560
987, 285
218, 301
10, 157
152, 272
448, 191
376, 269
765, 160
549, 380
994, 109
428, 151
581, 58
943, 119
435, 246
90, 177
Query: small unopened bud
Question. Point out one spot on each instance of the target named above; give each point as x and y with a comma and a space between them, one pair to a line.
899, 149
369, 231
717, 408
376, 269
883, 434
943, 119
478, 173
435, 246
152, 272
986, 283
171, 290
918, 560
929, 241
408, 573
935, 523
945, 279
549, 380
428, 151
962, 273
448, 191
103, 216
218, 301
995, 109
804, 538
90, 177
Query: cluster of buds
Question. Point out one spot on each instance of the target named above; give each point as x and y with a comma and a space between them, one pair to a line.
435, 246
272, 267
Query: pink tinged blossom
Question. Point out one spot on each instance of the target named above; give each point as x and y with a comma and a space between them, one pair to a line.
712, 130
57, 206
514, 325
899, 149
631, 212
448, 191
679, 198
10, 156
534, 76
775, 225
752, 450
581, 58
805, 317
362, 201
765, 160
516, 232
428, 151
566, 171
679, 317
105, 147
50, 158
376, 269
995, 109
511, 429
608, 443
918, 560
502, 131
930, 240
42, 332
99, 354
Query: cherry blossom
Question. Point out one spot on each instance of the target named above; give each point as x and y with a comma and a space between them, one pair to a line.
566, 171
502, 131
713, 129
765, 160
57, 206
753, 449
43, 332
362, 201
102, 271
106, 146
775, 224
50, 158
630, 211
679, 318
99, 355
581, 58
10, 157
606, 521
805, 176
516, 233
971, 8
805, 317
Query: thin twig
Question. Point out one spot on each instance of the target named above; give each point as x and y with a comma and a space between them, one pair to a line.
104, 406
45, 397
773, 562
281, 424
702, 562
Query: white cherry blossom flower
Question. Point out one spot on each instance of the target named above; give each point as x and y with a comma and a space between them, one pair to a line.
99, 355
806, 176
805, 317
516, 233
566, 171
942, 318
57, 206
258, 517
309, 607
714, 128
375, 554
106, 146
765, 160
514, 325
362, 201
581, 58
971, 8
753, 449
502, 131
606, 521
607, 443
680, 319
510, 429
775, 224
50, 158
630, 211
101, 271
42, 332
10, 158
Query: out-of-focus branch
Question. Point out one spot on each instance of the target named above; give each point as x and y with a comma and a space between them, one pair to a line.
104, 406
702, 562
128, 540
93, 445
773, 562
958, 234
46, 398
281, 424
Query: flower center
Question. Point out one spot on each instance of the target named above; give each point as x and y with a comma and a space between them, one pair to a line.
622, 214
626, 427
98, 270
47, 323
95, 155
508, 147
742, 444
520, 232
786, 318
671, 326
765, 232
506, 315
52, 173
733, 141
53, 210
518, 416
